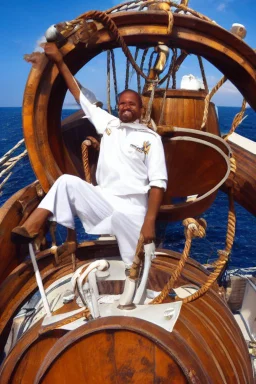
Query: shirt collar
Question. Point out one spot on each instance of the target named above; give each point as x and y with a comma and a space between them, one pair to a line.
137, 126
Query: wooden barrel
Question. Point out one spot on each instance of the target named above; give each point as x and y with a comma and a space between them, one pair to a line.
184, 109
206, 345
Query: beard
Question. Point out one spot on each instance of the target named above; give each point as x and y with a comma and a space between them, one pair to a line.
127, 116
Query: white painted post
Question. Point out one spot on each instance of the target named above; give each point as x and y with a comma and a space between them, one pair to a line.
39, 280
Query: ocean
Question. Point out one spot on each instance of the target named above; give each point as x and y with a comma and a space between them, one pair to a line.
204, 250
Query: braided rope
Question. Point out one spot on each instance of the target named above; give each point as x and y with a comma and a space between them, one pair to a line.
239, 117
233, 165
231, 214
111, 26
208, 98
201, 65
146, 118
108, 23
175, 69
170, 22
85, 157
135, 268
193, 228
223, 254
94, 142
220, 264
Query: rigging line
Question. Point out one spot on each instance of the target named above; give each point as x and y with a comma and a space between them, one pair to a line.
127, 73
178, 63
170, 73
142, 65
208, 99
200, 60
7, 154
138, 76
108, 83
151, 61
108, 23
174, 72
135, 59
150, 105
238, 119
182, 7
114, 75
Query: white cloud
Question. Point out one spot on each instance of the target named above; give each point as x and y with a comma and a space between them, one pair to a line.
41, 40
226, 88
221, 7
228, 95
229, 88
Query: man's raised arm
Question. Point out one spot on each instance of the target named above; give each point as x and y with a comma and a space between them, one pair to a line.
97, 116
55, 55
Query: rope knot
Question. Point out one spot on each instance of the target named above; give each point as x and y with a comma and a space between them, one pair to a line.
223, 255
170, 22
233, 164
195, 228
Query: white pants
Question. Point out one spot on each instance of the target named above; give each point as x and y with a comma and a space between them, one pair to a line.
99, 211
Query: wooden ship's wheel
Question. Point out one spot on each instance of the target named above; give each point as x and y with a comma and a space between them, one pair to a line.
45, 89
206, 345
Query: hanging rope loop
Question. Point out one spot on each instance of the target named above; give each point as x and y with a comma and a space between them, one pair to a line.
223, 259
193, 228
208, 99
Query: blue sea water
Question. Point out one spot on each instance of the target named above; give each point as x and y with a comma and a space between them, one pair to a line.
203, 250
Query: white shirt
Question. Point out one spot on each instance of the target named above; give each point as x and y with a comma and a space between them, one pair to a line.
131, 158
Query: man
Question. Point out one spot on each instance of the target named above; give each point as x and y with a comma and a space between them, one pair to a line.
131, 176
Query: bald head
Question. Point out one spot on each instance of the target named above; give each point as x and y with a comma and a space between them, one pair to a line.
136, 94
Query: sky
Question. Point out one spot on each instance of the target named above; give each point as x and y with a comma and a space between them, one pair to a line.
23, 24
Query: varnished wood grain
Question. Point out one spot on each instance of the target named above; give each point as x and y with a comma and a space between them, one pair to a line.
12, 213
205, 335
184, 109
135, 340
231, 55
245, 180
